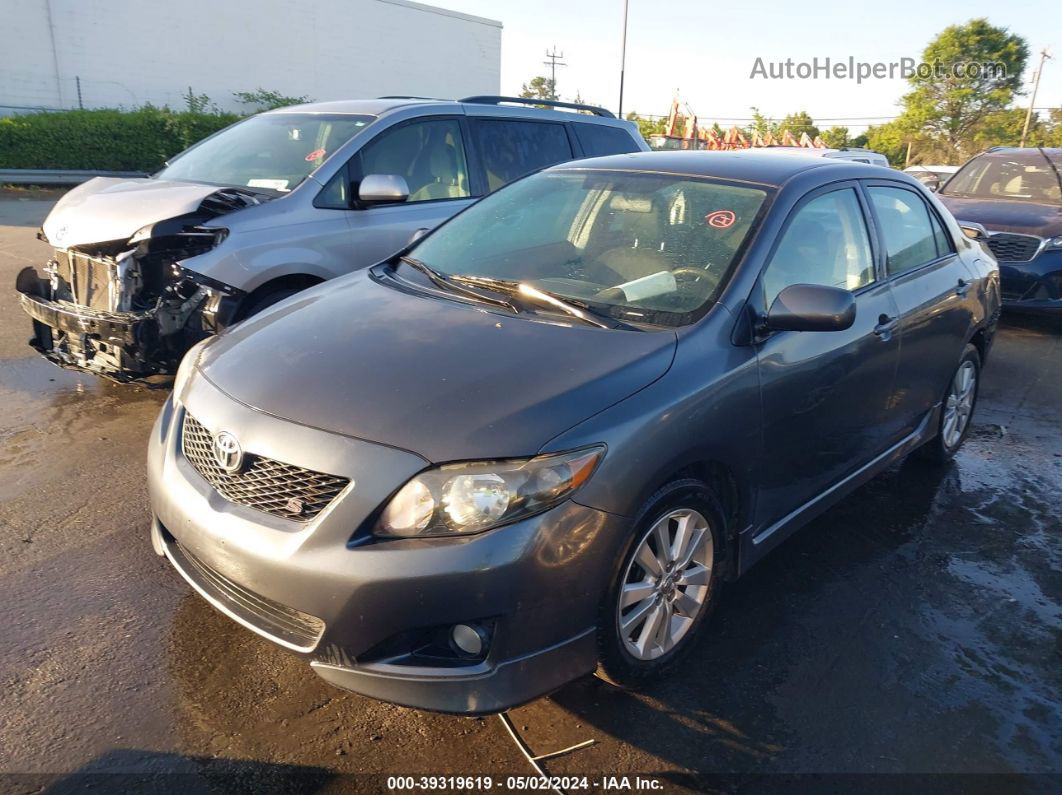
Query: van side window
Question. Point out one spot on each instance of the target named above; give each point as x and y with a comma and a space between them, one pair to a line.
910, 241
430, 155
511, 149
598, 140
826, 242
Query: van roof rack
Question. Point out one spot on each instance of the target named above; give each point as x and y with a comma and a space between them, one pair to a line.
404, 96
552, 103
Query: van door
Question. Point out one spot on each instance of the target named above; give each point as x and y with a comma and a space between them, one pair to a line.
930, 284
825, 395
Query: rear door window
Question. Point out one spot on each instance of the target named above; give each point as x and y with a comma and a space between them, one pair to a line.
598, 140
910, 239
509, 149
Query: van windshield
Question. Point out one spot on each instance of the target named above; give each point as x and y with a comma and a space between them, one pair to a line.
274, 151
651, 248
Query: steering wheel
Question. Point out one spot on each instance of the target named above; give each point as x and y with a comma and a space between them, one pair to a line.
689, 274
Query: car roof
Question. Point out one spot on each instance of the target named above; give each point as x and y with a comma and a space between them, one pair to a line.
381, 105
1028, 151
742, 164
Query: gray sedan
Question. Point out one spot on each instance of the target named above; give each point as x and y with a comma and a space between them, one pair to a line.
538, 441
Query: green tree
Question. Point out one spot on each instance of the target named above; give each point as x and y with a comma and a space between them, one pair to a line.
798, 123
539, 88
948, 107
648, 126
262, 99
835, 137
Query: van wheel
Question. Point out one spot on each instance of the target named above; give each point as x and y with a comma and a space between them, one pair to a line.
956, 413
665, 586
267, 300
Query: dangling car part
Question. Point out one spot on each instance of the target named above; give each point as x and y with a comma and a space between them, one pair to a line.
128, 308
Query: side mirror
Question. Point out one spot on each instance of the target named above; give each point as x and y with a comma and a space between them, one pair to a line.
812, 307
974, 231
932, 182
381, 188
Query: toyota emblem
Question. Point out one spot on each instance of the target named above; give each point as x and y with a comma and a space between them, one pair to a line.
227, 452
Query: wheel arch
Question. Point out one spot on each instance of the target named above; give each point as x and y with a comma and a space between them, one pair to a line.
288, 281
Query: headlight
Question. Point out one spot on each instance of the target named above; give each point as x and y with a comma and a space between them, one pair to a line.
1055, 242
460, 499
187, 366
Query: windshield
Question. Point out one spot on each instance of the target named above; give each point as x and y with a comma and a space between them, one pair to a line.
275, 151
639, 247
1028, 177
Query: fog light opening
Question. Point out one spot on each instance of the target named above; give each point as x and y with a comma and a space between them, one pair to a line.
469, 640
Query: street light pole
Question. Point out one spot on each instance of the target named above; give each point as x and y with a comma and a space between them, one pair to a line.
623, 57
1044, 55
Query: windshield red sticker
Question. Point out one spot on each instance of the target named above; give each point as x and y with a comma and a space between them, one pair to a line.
720, 219
315, 154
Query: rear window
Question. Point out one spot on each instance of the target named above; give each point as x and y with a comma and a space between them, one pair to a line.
598, 140
511, 149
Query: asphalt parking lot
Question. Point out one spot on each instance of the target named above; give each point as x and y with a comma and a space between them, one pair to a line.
915, 628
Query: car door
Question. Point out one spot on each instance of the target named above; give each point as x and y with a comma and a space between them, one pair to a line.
825, 395
431, 155
930, 283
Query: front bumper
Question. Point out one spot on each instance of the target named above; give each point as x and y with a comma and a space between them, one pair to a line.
537, 584
100, 342
1035, 285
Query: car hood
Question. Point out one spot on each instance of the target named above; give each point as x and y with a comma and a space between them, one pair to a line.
444, 379
1002, 215
110, 208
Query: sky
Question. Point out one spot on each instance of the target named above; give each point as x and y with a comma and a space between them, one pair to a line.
706, 51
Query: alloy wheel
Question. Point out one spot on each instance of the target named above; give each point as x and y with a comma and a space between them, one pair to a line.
666, 584
958, 406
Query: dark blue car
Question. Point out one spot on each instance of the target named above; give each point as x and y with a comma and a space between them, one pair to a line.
1015, 197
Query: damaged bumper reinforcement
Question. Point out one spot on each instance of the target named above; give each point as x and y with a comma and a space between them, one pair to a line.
129, 309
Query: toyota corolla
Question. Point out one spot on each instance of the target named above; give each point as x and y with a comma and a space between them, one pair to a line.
538, 441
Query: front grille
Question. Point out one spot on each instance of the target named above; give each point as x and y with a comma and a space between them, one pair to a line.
279, 623
264, 484
1007, 247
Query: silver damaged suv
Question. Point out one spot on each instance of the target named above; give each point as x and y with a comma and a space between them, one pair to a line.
144, 268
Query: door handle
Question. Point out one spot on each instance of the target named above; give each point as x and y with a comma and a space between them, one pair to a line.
886, 325
963, 287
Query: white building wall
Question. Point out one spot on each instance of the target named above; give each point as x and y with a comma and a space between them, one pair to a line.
131, 52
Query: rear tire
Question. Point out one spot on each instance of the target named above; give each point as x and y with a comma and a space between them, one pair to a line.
665, 586
956, 413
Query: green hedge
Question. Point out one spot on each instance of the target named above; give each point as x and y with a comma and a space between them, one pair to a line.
105, 140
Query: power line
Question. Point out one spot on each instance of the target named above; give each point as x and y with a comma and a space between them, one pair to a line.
553, 62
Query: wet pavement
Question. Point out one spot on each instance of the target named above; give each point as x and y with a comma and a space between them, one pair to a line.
915, 628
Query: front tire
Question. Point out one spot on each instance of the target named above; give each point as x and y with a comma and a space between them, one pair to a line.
956, 413
665, 586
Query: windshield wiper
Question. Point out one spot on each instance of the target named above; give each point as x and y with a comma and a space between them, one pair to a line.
569, 306
447, 282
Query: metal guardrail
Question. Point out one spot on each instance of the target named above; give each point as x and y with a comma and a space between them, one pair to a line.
48, 176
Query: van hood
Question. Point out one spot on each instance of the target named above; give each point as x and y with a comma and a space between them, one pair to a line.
105, 209
441, 378
1002, 215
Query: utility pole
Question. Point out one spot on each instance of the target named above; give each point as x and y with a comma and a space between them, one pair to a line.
553, 62
623, 57
1044, 55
